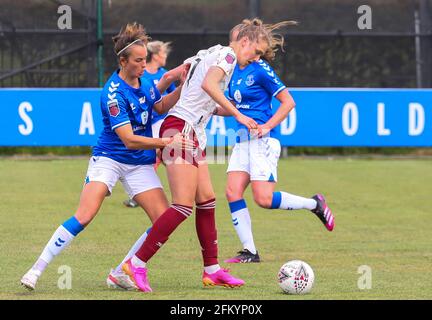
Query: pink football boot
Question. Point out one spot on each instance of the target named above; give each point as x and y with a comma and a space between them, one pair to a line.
323, 212
221, 278
138, 275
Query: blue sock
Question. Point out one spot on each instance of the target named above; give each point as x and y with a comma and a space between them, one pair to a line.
73, 226
242, 224
276, 201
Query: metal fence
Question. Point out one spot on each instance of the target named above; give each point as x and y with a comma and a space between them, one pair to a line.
327, 49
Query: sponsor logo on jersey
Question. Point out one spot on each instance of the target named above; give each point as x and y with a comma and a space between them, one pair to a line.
239, 81
237, 96
250, 80
230, 58
137, 128
113, 108
132, 106
141, 100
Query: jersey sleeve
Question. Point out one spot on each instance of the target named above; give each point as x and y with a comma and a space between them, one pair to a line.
226, 60
116, 107
269, 80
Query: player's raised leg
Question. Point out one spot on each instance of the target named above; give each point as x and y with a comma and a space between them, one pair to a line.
213, 274
91, 199
265, 196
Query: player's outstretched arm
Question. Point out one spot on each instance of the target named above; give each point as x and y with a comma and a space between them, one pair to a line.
136, 142
171, 76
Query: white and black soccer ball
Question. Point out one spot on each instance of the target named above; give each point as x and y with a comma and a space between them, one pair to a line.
296, 277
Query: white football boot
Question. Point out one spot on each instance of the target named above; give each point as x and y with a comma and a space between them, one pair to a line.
30, 279
120, 280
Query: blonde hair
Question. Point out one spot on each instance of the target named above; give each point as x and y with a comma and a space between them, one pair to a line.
130, 34
255, 30
154, 47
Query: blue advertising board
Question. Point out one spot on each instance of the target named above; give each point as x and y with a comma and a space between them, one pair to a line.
322, 117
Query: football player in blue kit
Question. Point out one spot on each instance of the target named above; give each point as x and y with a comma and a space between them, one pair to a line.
157, 54
125, 148
255, 156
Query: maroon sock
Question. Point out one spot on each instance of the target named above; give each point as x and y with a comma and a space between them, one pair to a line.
162, 229
206, 230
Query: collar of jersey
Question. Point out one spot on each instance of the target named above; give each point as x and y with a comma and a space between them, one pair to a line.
125, 84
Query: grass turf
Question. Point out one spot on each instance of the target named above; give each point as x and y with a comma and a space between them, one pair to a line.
383, 220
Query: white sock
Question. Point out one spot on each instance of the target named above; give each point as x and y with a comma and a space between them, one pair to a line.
292, 202
58, 242
133, 250
243, 225
212, 269
137, 262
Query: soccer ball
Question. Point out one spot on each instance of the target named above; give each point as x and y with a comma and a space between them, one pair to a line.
296, 277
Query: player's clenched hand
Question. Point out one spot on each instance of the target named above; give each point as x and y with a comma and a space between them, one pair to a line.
179, 141
261, 131
248, 122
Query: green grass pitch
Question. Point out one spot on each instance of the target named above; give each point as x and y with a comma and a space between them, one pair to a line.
383, 211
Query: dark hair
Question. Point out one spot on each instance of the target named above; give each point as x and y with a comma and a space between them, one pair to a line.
130, 34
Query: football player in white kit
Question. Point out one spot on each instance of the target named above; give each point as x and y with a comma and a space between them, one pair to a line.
255, 157
188, 173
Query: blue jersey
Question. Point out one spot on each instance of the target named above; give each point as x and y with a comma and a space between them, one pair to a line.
155, 77
252, 89
122, 104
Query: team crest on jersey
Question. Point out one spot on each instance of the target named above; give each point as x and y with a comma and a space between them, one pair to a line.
237, 96
250, 80
230, 58
113, 108
144, 117
152, 93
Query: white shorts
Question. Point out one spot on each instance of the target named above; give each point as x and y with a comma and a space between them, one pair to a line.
257, 157
156, 128
135, 178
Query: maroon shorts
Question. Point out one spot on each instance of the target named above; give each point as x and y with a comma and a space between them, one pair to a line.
170, 127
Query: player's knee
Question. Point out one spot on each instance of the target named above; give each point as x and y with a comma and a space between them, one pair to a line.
205, 198
263, 200
232, 194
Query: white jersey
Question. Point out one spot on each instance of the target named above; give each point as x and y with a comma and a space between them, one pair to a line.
195, 106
